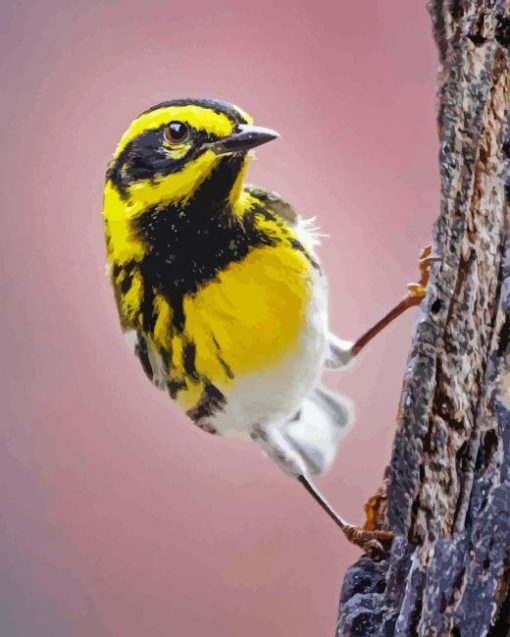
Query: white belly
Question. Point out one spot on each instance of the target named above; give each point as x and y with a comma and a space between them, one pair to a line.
276, 393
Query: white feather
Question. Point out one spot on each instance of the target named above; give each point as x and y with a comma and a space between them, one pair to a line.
297, 423
276, 393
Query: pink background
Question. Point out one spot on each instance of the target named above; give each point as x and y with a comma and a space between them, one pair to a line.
118, 517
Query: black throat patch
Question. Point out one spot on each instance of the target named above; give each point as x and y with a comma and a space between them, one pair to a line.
189, 245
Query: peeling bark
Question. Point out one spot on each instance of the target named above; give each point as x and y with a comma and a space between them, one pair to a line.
448, 482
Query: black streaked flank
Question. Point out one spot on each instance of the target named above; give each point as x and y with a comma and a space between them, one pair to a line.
141, 352
174, 387
212, 401
167, 358
297, 245
127, 277
188, 360
125, 284
147, 307
226, 367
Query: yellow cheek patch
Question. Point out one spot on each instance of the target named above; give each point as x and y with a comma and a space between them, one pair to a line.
197, 117
164, 189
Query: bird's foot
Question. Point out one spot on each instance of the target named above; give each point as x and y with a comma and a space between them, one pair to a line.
373, 542
416, 292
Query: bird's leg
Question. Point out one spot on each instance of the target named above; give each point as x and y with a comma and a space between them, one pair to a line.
341, 354
357, 535
416, 292
281, 451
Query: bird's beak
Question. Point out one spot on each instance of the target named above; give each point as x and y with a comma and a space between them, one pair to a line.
247, 137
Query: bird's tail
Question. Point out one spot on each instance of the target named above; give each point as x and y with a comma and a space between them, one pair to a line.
318, 427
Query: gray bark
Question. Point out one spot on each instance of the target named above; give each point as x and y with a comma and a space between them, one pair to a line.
447, 489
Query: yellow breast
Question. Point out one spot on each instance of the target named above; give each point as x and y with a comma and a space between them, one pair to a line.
254, 310
249, 318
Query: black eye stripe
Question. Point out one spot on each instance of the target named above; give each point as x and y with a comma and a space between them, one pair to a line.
197, 137
144, 157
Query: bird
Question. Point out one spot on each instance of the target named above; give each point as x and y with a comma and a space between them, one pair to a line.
220, 290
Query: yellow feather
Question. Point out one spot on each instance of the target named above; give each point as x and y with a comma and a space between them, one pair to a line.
132, 299
177, 354
255, 309
163, 326
190, 396
165, 189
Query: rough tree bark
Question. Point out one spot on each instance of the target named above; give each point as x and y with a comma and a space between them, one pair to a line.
447, 489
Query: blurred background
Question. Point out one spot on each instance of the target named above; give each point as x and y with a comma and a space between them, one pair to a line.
118, 518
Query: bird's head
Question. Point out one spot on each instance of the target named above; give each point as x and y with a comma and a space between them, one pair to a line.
171, 150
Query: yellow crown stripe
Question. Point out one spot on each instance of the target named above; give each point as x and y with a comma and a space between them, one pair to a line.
244, 115
197, 117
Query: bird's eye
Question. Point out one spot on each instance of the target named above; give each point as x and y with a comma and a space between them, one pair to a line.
176, 133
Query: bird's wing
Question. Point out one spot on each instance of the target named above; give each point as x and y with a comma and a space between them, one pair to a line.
306, 230
273, 200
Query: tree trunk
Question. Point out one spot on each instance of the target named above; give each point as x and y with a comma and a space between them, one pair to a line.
447, 489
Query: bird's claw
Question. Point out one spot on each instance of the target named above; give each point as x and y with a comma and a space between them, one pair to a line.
372, 542
417, 291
